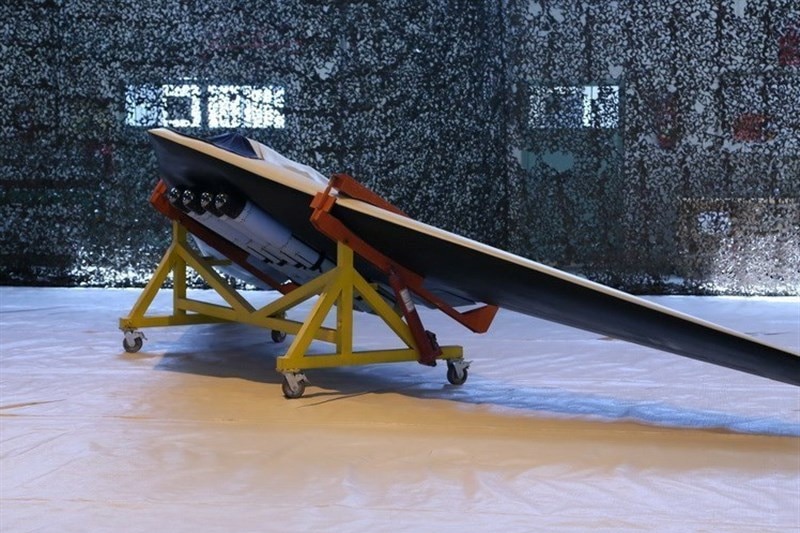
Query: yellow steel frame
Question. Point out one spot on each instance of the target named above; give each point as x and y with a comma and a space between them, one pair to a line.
338, 287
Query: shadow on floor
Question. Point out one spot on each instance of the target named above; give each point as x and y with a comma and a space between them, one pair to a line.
239, 351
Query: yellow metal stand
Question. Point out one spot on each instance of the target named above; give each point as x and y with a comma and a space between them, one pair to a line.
338, 287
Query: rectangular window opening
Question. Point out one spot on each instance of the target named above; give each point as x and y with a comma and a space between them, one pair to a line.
587, 106
190, 105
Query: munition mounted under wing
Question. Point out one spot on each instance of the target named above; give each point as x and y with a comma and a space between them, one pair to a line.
270, 247
278, 240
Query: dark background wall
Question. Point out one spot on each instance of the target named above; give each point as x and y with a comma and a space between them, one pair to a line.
654, 146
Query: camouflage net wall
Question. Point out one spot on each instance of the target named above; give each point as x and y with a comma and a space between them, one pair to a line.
654, 146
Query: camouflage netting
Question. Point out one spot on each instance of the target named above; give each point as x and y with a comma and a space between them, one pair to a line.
654, 146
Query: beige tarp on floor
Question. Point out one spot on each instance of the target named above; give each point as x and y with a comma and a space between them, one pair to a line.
555, 430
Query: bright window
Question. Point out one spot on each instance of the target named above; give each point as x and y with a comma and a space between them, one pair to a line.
231, 106
191, 105
181, 106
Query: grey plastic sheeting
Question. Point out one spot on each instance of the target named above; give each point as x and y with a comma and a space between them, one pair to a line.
555, 430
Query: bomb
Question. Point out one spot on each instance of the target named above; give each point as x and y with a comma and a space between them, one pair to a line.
263, 228
207, 203
175, 198
191, 201
200, 208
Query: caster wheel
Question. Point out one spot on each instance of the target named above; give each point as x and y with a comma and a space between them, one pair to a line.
292, 391
132, 347
455, 375
278, 336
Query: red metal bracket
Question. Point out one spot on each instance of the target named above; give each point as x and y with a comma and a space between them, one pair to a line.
477, 320
348, 186
158, 198
427, 347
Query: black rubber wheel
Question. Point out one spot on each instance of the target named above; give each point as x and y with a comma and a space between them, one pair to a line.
132, 348
452, 375
291, 394
278, 336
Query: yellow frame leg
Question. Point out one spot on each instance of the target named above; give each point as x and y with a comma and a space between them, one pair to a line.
187, 311
175, 261
339, 288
